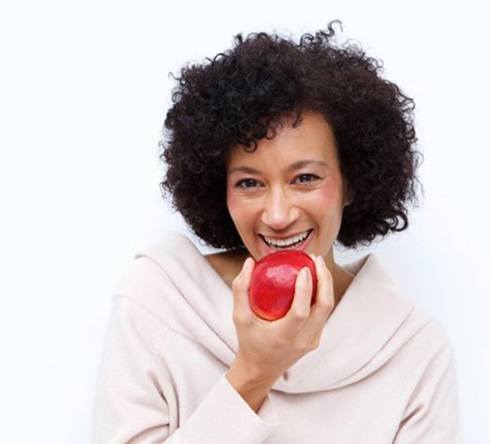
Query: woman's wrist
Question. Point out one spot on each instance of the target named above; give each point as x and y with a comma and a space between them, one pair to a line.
252, 386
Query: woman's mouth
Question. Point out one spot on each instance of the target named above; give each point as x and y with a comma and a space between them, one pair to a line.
298, 244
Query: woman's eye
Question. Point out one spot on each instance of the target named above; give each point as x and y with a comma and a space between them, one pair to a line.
307, 178
245, 183
252, 183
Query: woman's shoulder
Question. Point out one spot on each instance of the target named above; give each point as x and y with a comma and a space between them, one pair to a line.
160, 265
168, 276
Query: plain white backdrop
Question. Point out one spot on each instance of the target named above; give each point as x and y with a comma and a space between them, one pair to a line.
84, 88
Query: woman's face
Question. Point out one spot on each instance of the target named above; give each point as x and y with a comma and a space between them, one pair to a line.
288, 186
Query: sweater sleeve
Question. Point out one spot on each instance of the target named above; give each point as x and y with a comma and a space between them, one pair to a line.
130, 400
432, 414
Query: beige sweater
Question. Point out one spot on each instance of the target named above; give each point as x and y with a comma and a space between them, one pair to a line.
383, 373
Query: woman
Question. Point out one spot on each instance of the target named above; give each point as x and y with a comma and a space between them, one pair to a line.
276, 145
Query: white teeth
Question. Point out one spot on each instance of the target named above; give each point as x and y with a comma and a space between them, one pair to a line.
286, 242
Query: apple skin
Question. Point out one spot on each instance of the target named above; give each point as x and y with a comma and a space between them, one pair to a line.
272, 283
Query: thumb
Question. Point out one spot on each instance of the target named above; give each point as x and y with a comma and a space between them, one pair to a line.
240, 287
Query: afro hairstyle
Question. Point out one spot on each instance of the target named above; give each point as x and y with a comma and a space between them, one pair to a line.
239, 95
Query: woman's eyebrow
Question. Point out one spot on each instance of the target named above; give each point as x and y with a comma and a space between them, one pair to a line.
294, 166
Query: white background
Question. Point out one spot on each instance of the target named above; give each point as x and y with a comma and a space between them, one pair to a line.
84, 89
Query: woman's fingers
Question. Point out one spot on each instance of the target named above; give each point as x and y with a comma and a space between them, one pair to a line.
300, 307
239, 287
321, 309
303, 316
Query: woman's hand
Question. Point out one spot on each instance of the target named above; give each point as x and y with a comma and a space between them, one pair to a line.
268, 348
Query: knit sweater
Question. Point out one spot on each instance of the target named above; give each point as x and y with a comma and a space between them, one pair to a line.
383, 372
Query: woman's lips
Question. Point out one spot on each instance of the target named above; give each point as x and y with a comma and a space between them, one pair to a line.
301, 247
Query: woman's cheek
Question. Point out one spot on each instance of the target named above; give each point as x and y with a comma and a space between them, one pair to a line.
231, 203
237, 205
329, 193
319, 197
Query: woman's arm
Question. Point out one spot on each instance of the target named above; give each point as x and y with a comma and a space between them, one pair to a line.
432, 414
131, 405
252, 389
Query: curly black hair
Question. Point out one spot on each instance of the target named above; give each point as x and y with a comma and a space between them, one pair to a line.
241, 94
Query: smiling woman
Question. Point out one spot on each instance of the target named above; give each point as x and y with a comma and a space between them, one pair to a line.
290, 193
277, 145
280, 203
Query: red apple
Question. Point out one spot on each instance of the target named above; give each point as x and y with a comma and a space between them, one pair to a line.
271, 291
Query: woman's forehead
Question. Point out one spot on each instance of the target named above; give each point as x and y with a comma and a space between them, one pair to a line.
289, 167
312, 142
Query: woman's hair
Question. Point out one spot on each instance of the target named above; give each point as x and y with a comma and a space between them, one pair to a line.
241, 94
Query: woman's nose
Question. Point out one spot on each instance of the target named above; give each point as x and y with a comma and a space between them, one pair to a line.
278, 212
